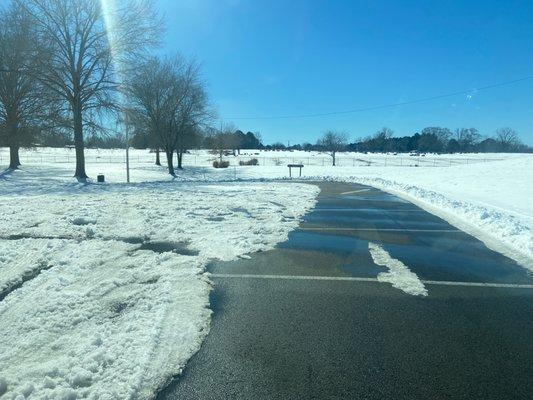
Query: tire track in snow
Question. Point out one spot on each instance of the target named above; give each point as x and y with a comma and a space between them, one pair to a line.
27, 274
399, 275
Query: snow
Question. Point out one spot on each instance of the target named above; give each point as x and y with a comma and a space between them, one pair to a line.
90, 311
399, 275
98, 326
486, 195
59, 156
96, 305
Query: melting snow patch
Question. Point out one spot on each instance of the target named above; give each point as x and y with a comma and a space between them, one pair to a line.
399, 275
111, 305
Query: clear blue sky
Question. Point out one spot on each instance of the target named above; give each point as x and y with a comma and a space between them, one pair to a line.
281, 57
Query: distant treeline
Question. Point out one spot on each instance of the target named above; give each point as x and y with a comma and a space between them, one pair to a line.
442, 140
211, 139
430, 139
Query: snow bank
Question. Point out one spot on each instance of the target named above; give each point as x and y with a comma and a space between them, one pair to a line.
105, 322
105, 292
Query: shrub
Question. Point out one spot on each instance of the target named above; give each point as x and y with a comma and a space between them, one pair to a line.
221, 164
253, 161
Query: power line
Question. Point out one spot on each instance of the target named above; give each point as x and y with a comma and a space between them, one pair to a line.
403, 103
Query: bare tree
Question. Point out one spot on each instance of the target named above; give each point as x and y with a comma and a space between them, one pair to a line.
193, 112
189, 138
333, 142
170, 97
507, 139
151, 93
21, 96
221, 140
88, 52
467, 138
381, 139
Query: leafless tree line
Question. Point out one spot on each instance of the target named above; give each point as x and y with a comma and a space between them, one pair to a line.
431, 139
82, 65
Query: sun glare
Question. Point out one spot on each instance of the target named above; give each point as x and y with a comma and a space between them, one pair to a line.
108, 11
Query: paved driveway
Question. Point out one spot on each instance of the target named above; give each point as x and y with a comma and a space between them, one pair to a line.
310, 319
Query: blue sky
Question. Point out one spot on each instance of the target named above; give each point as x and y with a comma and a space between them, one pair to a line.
280, 57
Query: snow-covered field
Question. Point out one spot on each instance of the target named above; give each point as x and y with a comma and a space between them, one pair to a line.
94, 303
264, 158
486, 195
102, 287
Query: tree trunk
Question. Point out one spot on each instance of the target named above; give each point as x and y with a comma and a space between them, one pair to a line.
333, 155
78, 144
179, 154
14, 160
170, 162
157, 157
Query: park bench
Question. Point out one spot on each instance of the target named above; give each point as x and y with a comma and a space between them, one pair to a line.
291, 166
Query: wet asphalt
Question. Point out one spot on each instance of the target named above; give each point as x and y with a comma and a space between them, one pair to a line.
335, 339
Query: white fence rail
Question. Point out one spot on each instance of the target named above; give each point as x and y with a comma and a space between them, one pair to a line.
67, 156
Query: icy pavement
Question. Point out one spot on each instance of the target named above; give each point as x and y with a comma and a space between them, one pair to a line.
103, 289
488, 200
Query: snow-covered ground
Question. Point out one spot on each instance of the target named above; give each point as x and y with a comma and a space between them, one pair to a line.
264, 158
490, 200
105, 318
102, 287
486, 195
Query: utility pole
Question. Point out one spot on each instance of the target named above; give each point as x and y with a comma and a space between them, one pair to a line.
127, 159
126, 125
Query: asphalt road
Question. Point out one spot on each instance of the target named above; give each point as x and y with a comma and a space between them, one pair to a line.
297, 327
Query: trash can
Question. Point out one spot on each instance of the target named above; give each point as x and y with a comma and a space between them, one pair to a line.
100, 178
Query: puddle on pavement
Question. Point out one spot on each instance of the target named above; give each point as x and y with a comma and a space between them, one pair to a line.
458, 258
377, 221
301, 262
322, 242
